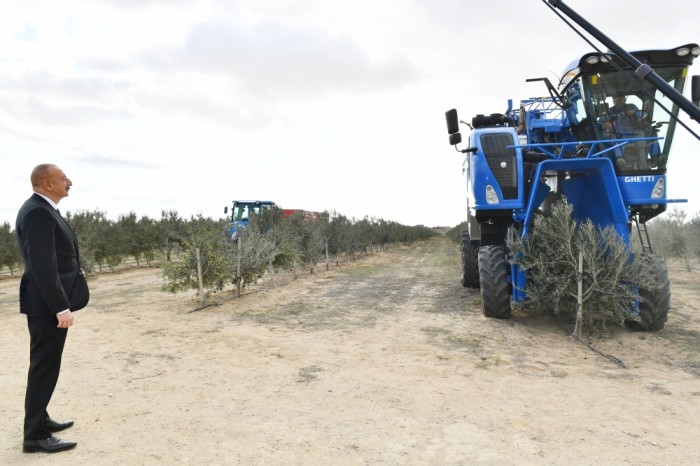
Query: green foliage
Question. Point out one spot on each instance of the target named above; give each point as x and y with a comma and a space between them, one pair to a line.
550, 257
215, 251
303, 239
455, 234
138, 237
693, 235
670, 231
257, 251
9, 252
99, 240
288, 237
171, 231
674, 237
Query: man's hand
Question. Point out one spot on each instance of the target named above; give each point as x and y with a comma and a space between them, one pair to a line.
65, 319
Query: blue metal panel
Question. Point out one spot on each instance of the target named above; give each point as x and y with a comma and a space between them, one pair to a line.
638, 189
590, 185
482, 175
519, 281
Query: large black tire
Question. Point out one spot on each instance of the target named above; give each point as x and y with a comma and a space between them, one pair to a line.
493, 278
654, 300
470, 263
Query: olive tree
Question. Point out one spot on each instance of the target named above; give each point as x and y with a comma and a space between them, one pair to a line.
550, 256
214, 247
9, 251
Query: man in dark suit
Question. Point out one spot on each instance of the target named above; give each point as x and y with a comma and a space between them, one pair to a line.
51, 288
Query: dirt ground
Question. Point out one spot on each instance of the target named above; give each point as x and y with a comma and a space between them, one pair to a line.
384, 360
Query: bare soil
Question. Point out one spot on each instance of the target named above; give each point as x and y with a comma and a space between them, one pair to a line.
383, 360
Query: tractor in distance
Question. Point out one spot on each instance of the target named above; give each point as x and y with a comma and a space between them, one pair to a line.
241, 212
609, 164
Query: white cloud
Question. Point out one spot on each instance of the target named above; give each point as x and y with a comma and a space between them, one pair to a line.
275, 60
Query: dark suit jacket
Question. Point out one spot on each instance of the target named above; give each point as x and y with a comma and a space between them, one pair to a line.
51, 259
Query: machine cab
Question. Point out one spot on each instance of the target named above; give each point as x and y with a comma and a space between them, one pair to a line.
242, 211
608, 103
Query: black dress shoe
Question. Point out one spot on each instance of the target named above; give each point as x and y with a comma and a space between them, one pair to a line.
57, 426
47, 445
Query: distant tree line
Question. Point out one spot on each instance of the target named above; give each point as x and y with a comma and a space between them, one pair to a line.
455, 233
269, 243
105, 243
675, 236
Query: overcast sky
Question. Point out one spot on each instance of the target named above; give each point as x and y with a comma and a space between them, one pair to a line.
315, 104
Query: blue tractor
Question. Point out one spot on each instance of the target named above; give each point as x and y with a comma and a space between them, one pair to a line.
241, 212
601, 138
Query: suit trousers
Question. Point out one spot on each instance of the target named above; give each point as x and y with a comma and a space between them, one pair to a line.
45, 353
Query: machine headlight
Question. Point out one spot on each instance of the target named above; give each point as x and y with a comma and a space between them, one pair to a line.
491, 196
683, 51
658, 190
695, 52
593, 59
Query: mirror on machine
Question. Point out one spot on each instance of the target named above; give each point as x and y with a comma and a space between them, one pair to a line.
453, 126
452, 121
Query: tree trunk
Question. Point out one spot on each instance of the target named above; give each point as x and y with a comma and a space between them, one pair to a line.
238, 267
199, 276
271, 271
579, 298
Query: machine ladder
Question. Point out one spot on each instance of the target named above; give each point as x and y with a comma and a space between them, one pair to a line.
643, 235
